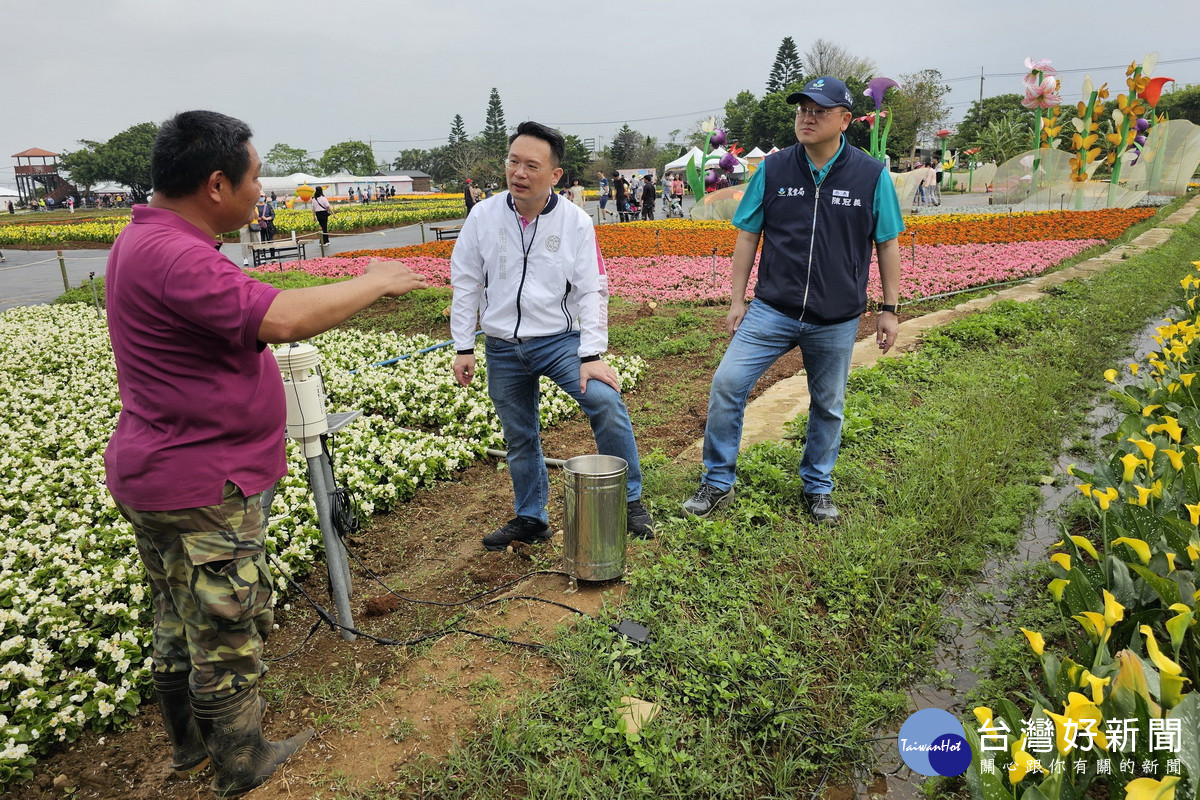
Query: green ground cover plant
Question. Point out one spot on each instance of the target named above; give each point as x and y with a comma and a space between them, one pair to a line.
779, 649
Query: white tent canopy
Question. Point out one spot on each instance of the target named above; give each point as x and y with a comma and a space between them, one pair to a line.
681, 163
755, 153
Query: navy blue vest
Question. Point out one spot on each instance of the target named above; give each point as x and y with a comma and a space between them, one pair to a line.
817, 241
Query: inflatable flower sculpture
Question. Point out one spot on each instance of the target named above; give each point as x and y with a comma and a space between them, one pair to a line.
1084, 142
713, 137
876, 89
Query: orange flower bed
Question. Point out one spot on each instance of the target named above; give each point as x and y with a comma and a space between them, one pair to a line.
1027, 226
700, 239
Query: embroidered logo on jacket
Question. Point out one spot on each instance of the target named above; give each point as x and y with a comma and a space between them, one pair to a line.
552, 243
791, 191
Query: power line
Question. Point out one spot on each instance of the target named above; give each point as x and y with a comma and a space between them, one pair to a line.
1065, 71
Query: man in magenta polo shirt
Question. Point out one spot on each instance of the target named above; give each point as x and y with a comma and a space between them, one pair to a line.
201, 434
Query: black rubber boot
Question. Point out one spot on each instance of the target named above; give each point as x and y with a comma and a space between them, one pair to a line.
188, 755
232, 731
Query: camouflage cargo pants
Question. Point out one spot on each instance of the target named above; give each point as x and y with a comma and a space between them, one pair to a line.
210, 588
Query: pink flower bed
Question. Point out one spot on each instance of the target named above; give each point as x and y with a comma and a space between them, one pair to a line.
667, 279
436, 270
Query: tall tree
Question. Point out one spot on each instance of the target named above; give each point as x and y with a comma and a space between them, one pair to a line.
575, 160
125, 158
1181, 103
414, 159
458, 131
289, 159
787, 67
738, 113
824, 57
495, 132
353, 156
980, 114
624, 147
920, 110
85, 165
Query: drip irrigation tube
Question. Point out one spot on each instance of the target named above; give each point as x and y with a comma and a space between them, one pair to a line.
408, 355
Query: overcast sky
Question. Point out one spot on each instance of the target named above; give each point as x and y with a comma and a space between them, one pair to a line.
395, 72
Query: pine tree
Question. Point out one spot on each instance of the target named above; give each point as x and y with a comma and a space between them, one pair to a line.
458, 131
495, 133
787, 68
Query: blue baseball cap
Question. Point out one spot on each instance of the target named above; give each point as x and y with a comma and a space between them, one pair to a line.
825, 91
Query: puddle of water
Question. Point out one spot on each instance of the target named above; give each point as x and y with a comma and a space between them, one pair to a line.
962, 653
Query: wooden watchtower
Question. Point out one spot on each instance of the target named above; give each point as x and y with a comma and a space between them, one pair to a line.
30, 175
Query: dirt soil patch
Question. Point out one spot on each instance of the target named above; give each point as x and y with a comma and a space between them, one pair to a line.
380, 708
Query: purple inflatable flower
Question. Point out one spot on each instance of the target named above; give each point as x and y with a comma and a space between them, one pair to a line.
710, 178
1142, 125
877, 87
1140, 139
718, 137
728, 162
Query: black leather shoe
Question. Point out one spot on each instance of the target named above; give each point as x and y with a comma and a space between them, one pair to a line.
638, 520
518, 529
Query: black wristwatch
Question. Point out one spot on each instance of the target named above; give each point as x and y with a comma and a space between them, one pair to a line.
890, 307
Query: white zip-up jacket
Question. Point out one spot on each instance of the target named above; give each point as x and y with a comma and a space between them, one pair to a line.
520, 283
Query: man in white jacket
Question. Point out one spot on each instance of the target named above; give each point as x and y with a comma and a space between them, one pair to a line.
526, 266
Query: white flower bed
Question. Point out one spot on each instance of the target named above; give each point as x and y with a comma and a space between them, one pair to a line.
74, 611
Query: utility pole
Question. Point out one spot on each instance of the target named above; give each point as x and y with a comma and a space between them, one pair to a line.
981, 99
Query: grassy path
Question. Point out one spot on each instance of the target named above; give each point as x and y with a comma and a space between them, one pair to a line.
778, 647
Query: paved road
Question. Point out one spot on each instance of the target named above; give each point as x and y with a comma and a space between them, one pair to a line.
34, 276
28, 277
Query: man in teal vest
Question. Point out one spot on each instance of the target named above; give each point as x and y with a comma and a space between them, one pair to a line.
819, 207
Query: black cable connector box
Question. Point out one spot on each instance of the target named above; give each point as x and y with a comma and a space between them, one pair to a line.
633, 631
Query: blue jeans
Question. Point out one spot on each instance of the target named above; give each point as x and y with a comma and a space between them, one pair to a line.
512, 375
764, 336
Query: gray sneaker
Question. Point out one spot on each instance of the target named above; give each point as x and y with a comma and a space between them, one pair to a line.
821, 508
707, 499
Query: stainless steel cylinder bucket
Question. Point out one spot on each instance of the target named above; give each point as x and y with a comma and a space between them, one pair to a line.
594, 530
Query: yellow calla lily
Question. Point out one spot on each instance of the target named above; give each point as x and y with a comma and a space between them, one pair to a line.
1063, 560
1078, 713
984, 715
1086, 488
1150, 789
1147, 448
1193, 513
1137, 546
1096, 685
1193, 553
1187, 378
1131, 462
1143, 496
1133, 369
1114, 612
1083, 544
1170, 427
1148, 410
1110, 375
1105, 498
1164, 664
1056, 588
1170, 561
1022, 763
1175, 456
1093, 623
1037, 642
1177, 626
1131, 678
1171, 689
